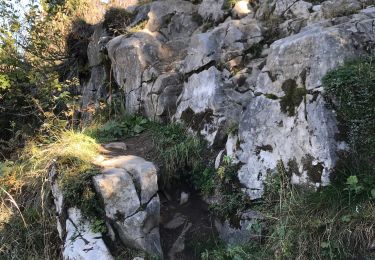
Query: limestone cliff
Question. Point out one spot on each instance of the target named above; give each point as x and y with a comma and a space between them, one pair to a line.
247, 78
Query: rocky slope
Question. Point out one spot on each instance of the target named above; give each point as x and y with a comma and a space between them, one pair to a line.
246, 78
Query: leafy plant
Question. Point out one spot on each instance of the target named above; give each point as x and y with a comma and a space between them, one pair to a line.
118, 128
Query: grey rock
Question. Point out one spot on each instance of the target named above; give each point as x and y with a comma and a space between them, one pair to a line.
319, 50
143, 173
118, 192
116, 145
160, 96
223, 43
81, 243
179, 245
130, 56
93, 91
94, 49
212, 10
202, 103
141, 230
177, 221
173, 18
293, 9
336, 8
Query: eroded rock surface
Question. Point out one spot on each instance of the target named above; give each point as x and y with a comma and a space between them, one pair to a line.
255, 69
128, 188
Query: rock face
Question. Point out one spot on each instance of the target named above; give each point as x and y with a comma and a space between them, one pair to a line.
255, 69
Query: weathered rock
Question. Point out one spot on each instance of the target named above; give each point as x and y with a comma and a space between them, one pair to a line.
177, 221
116, 146
81, 243
293, 9
173, 18
227, 41
141, 230
336, 8
93, 91
184, 198
129, 187
204, 106
94, 50
319, 50
179, 245
270, 135
160, 96
118, 192
144, 174
211, 10
130, 56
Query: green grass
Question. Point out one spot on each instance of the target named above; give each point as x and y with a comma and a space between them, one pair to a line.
178, 151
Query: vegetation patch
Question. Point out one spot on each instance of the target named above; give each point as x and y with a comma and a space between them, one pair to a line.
292, 98
351, 91
116, 20
223, 185
177, 150
118, 128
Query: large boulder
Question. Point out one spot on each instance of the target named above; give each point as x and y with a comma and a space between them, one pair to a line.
212, 10
128, 187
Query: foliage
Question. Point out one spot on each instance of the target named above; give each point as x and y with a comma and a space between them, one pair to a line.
229, 4
78, 191
32, 46
351, 88
178, 151
293, 97
224, 185
333, 223
120, 127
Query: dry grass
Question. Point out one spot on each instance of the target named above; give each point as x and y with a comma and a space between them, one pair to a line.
27, 223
